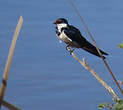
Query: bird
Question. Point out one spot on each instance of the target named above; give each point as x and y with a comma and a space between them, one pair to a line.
73, 38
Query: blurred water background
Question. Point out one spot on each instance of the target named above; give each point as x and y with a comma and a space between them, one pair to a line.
43, 75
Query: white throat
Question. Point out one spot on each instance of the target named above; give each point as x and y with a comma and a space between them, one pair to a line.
60, 26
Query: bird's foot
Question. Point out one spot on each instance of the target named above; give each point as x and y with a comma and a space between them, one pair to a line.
72, 51
69, 49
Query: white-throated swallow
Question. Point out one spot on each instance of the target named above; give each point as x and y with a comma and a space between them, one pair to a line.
72, 37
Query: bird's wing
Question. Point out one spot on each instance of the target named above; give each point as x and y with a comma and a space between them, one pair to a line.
74, 34
92, 49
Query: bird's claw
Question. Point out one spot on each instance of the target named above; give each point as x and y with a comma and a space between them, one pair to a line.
69, 49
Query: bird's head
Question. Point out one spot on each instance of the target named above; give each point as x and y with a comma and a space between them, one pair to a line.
61, 21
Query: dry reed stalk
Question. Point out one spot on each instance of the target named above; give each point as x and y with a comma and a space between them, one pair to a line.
86, 66
10, 106
7, 67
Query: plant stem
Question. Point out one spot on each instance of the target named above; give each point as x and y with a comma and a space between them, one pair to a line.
87, 67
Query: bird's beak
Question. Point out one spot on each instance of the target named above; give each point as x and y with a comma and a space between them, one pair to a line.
56, 22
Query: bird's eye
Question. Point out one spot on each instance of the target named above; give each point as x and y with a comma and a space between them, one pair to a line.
60, 21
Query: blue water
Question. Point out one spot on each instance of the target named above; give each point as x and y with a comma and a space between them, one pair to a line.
43, 75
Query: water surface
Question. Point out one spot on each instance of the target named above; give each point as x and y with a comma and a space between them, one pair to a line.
43, 75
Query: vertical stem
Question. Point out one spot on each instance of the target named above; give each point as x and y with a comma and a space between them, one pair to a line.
94, 42
115, 80
7, 67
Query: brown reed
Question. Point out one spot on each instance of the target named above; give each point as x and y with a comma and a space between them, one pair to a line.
8, 63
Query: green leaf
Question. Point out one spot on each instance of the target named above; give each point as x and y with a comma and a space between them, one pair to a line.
120, 45
119, 105
120, 102
101, 106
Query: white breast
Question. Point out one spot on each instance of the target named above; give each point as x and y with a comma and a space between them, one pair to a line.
62, 35
64, 38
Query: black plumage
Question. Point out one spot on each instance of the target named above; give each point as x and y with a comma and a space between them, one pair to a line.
77, 40
75, 35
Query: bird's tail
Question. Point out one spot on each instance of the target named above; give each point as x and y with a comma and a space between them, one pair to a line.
92, 49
